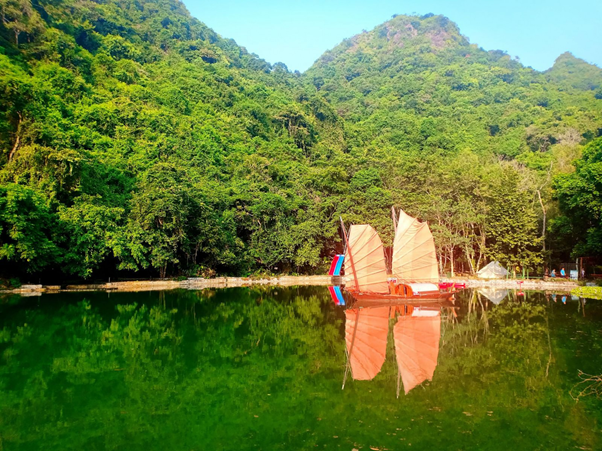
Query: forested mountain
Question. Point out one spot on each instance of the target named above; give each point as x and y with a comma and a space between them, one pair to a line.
135, 140
417, 83
467, 139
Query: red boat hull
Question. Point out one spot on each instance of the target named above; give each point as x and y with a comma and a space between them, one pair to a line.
425, 298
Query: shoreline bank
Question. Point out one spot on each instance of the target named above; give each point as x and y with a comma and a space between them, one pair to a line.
198, 283
518, 284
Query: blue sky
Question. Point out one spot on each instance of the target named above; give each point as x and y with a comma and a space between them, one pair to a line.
297, 33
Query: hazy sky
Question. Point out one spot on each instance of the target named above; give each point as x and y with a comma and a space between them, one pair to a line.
297, 33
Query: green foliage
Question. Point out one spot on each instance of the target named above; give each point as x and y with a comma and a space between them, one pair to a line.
512, 221
575, 72
580, 197
140, 140
20, 18
418, 84
588, 292
152, 143
90, 229
27, 229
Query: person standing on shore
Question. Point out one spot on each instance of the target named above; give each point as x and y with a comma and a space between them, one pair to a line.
562, 272
553, 273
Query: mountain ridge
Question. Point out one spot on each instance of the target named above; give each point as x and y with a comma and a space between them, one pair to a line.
439, 31
576, 72
358, 79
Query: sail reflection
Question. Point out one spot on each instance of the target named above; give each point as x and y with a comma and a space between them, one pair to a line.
366, 333
416, 333
417, 346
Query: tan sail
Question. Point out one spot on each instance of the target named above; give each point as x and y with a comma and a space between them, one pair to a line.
365, 260
414, 256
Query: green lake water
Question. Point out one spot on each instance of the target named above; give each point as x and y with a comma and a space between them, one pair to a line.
262, 369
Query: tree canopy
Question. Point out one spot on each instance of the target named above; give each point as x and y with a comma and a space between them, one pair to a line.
136, 140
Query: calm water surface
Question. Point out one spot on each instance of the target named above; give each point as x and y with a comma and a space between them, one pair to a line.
262, 369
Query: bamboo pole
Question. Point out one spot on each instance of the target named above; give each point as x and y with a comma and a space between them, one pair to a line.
348, 366
357, 287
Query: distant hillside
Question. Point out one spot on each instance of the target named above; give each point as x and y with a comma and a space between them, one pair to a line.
575, 72
421, 75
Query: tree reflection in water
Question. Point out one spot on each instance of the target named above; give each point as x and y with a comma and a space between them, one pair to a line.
261, 368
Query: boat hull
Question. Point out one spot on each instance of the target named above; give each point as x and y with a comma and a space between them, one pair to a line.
426, 298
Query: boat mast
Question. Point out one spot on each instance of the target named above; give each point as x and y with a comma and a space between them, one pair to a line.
394, 216
357, 287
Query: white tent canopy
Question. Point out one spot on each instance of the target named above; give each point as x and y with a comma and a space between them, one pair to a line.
492, 271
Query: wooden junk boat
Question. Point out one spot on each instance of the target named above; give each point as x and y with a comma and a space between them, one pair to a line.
411, 295
414, 267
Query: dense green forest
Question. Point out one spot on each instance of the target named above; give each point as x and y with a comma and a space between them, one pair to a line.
135, 141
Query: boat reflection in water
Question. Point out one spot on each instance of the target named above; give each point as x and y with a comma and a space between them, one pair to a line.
417, 346
416, 332
411, 295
